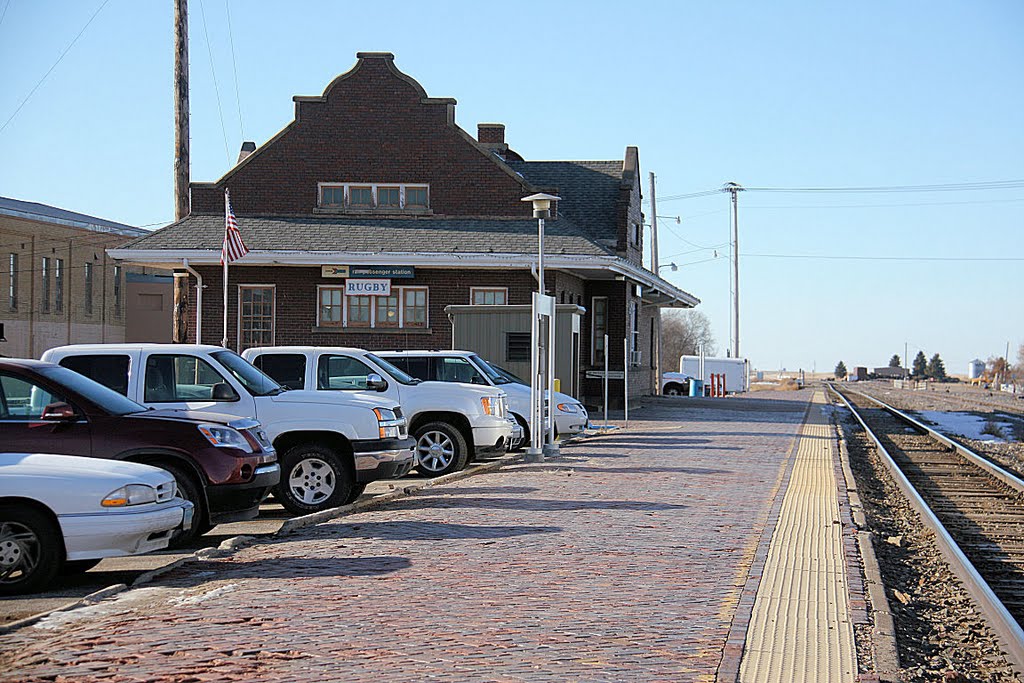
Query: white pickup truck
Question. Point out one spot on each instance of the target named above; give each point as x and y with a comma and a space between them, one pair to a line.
329, 445
451, 423
465, 366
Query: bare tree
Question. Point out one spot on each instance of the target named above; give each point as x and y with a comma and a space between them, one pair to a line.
683, 332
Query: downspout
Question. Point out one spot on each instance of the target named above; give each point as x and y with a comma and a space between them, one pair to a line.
199, 299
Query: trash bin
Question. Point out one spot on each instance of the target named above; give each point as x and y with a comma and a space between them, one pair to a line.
696, 387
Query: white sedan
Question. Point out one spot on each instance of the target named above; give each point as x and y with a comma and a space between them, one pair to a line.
62, 512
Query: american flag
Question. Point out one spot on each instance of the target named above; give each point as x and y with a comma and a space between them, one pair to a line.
234, 248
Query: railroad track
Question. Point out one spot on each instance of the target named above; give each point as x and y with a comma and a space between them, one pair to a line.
975, 508
965, 401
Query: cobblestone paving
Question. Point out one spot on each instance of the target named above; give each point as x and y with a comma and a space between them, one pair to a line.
621, 560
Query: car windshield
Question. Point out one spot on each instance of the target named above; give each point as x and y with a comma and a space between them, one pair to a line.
509, 377
253, 379
106, 399
488, 369
396, 373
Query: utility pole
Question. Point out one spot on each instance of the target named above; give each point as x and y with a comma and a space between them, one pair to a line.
179, 332
654, 228
654, 269
734, 189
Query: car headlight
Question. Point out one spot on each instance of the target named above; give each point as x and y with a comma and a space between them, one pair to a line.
569, 407
389, 425
132, 494
492, 405
223, 436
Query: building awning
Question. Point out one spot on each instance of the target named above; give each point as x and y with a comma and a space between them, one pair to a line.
654, 290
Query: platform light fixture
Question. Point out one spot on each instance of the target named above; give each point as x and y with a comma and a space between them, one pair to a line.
542, 375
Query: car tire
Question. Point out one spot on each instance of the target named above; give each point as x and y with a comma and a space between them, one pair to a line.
440, 449
314, 477
674, 390
357, 491
72, 567
190, 490
31, 549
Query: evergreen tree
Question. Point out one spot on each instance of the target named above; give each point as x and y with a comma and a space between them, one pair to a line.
936, 369
895, 362
920, 366
841, 370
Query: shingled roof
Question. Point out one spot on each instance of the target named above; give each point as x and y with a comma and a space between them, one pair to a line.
589, 190
343, 233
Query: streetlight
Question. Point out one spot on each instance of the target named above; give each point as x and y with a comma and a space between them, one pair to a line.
673, 266
541, 367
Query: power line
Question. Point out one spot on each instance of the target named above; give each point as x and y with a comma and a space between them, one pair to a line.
234, 68
216, 88
4, 13
869, 206
946, 187
887, 258
50, 70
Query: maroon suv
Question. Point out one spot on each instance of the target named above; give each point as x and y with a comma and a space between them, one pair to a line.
224, 465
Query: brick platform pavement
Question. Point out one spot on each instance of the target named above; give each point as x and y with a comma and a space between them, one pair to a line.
622, 560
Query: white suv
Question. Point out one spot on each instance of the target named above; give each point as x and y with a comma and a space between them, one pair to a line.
465, 366
451, 423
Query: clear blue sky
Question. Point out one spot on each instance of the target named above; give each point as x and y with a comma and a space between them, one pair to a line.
780, 94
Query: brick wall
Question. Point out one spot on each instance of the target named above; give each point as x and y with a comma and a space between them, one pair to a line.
373, 124
296, 305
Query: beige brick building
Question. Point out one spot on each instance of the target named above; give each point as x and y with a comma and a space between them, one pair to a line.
59, 286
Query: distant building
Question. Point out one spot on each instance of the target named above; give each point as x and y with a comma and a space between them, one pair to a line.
58, 285
975, 369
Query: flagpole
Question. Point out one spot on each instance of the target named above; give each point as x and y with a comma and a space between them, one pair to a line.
224, 260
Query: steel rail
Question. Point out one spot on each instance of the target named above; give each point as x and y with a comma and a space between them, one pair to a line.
991, 607
1008, 478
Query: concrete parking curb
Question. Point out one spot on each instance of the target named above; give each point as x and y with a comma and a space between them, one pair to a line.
85, 601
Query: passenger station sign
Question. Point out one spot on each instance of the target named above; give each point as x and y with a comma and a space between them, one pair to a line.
368, 272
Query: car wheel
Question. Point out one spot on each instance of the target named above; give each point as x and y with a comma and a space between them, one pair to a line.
357, 491
440, 449
314, 478
72, 567
190, 491
31, 550
673, 390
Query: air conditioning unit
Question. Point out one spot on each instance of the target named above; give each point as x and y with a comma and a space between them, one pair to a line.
635, 358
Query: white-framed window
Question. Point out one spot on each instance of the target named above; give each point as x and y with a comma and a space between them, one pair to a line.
118, 273
45, 303
488, 296
12, 287
598, 328
58, 285
256, 315
366, 196
87, 303
405, 307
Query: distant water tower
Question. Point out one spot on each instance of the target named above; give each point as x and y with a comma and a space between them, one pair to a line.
975, 369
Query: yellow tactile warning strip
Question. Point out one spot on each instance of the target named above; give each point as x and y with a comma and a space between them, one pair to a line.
800, 629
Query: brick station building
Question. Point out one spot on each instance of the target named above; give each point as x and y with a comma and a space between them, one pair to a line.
374, 179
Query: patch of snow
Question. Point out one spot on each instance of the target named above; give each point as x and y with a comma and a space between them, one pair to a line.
203, 597
116, 605
967, 425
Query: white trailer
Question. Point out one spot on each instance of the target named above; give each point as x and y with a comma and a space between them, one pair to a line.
736, 371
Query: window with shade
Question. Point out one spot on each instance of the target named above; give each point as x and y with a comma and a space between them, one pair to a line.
373, 197
405, 307
488, 296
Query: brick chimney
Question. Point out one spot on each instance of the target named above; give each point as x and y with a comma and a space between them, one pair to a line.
489, 134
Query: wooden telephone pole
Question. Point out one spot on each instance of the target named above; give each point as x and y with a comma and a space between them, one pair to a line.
181, 160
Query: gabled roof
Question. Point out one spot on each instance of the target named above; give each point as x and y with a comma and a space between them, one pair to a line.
51, 214
340, 233
589, 190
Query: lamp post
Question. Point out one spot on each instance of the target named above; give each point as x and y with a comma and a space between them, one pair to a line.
542, 376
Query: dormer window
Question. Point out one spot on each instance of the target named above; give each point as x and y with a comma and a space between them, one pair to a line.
373, 197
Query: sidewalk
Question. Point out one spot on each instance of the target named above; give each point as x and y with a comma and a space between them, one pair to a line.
624, 559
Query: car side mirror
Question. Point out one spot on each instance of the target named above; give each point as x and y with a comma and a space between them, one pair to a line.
375, 382
58, 412
222, 391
